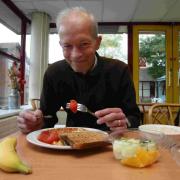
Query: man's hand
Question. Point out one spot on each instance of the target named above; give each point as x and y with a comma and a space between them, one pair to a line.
29, 121
114, 118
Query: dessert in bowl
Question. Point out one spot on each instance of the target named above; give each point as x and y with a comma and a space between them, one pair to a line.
135, 150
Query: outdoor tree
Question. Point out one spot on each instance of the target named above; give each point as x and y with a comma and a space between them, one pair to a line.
111, 46
152, 48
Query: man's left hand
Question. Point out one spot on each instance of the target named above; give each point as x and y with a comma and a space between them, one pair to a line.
114, 118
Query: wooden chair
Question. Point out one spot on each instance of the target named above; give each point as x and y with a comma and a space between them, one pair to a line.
144, 108
61, 114
35, 103
163, 113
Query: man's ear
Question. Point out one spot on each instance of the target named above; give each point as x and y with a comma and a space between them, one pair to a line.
98, 42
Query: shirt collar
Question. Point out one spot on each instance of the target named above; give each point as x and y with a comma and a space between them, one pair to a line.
95, 63
91, 71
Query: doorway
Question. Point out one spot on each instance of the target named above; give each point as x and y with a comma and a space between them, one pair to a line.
156, 59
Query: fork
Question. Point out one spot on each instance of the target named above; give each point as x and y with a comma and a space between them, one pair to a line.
82, 108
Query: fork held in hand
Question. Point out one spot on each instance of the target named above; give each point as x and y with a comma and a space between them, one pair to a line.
82, 108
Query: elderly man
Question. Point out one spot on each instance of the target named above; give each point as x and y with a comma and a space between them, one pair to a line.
102, 84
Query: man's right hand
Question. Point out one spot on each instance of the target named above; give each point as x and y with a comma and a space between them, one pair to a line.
29, 121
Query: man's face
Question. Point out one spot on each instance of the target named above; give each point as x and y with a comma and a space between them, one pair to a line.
79, 46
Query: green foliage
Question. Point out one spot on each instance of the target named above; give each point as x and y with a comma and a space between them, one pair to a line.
111, 46
110, 40
153, 49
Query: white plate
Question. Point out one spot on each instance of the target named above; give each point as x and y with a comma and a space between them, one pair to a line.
160, 128
32, 138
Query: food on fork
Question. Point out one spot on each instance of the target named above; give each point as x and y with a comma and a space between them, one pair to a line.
135, 152
73, 105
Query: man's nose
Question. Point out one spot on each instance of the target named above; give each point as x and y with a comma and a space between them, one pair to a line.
76, 52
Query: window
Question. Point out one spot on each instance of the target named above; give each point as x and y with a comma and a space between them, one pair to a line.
11, 46
114, 46
55, 50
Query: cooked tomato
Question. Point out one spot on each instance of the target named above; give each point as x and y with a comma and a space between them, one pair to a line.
43, 136
53, 137
73, 106
48, 136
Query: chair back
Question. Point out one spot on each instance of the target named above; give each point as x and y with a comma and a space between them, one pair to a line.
61, 114
35, 103
163, 113
144, 108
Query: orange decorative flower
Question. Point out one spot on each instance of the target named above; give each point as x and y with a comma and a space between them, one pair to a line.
15, 77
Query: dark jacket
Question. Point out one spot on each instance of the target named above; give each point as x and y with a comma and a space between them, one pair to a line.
108, 85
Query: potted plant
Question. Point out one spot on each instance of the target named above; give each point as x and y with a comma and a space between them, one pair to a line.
16, 83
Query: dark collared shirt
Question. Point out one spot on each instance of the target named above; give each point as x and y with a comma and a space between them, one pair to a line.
108, 85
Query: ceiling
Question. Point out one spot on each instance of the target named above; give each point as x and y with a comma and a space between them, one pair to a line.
104, 10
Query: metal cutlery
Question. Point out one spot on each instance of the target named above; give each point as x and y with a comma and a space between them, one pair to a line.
48, 116
82, 108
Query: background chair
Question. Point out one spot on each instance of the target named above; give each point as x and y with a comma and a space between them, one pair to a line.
163, 113
61, 114
35, 103
144, 108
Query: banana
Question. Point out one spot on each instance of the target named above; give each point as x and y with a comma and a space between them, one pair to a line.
9, 159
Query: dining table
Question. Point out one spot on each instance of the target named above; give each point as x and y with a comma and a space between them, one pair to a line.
86, 164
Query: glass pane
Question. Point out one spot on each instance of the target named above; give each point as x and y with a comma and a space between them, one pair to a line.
5, 80
27, 69
152, 67
10, 45
55, 50
179, 63
114, 46
26, 85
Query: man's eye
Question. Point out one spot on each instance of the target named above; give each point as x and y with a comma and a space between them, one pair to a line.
83, 45
67, 46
